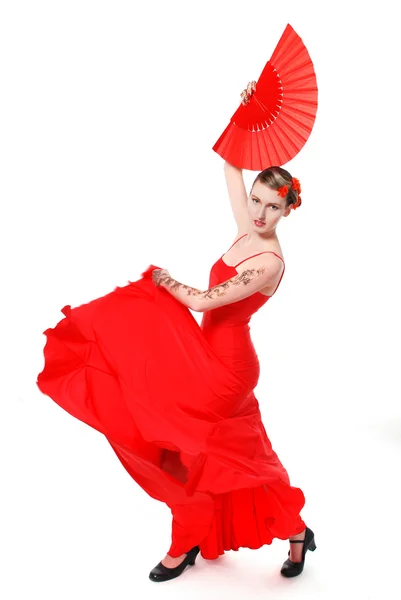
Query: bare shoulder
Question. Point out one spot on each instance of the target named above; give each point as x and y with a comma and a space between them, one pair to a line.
267, 247
264, 259
269, 260
270, 263
241, 232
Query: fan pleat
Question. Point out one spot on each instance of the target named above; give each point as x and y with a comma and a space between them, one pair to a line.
273, 127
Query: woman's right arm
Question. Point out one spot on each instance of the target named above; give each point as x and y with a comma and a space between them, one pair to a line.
238, 196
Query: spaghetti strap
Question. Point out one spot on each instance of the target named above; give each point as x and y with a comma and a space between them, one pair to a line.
240, 238
265, 252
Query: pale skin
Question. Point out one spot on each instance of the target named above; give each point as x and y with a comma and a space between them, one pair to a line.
259, 274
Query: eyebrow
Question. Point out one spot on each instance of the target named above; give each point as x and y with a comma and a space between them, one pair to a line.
276, 203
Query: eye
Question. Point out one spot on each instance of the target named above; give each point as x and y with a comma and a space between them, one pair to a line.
255, 199
276, 207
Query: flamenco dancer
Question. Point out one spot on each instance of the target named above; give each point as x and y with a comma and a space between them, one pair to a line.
174, 399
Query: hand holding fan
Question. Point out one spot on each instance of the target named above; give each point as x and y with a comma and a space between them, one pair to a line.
273, 126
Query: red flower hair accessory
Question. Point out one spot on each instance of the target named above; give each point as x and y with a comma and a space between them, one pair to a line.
283, 191
297, 203
295, 185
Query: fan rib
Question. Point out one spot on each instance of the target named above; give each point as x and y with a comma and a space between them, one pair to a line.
276, 123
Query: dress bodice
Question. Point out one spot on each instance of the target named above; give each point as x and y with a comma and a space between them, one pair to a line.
236, 313
226, 328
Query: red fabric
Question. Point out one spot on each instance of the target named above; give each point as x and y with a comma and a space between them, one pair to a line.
175, 400
276, 123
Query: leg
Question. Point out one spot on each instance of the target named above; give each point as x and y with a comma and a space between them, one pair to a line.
191, 524
296, 549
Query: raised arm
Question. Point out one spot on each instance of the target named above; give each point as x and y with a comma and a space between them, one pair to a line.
238, 196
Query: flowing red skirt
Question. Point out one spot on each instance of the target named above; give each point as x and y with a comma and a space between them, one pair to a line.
135, 365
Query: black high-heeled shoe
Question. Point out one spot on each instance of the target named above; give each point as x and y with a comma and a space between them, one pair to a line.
290, 568
162, 573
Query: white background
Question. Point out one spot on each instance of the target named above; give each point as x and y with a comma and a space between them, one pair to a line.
109, 111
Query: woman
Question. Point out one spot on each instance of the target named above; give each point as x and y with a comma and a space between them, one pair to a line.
256, 266
175, 400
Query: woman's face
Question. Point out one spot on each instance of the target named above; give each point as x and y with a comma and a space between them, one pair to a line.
264, 204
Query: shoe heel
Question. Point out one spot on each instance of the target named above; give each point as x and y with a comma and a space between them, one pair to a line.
312, 545
192, 561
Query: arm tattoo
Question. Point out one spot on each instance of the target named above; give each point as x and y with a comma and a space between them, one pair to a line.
217, 290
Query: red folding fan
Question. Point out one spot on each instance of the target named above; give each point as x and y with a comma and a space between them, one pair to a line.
277, 121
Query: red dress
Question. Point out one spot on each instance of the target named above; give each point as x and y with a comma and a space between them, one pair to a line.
175, 400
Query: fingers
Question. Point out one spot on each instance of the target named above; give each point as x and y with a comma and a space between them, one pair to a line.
244, 97
159, 274
251, 87
247, 93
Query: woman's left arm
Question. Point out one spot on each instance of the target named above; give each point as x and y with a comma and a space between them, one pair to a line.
242, 285
183, 293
